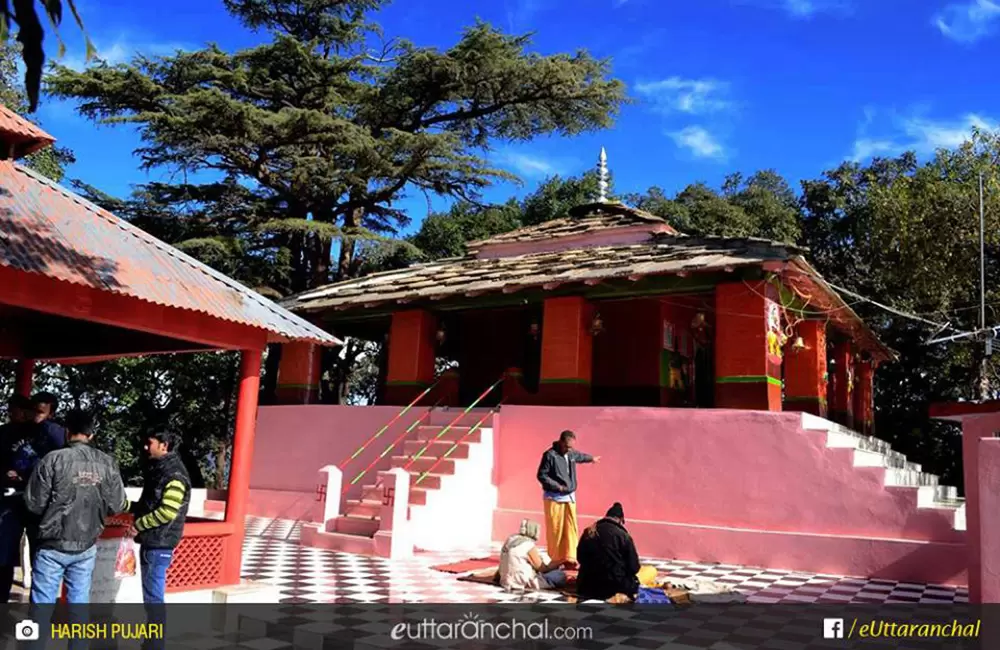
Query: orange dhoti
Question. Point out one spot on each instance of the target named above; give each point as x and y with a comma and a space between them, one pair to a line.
561, 533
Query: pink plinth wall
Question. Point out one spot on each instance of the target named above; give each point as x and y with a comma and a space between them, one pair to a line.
294, 442
737, 487
989, 506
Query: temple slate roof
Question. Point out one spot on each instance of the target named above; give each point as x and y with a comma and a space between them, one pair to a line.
470, 275
582, 220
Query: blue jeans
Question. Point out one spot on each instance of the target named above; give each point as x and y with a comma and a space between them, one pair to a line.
52, 567
153, 563
556, 578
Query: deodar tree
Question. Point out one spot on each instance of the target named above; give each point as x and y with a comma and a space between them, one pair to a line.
311, 139
330, 130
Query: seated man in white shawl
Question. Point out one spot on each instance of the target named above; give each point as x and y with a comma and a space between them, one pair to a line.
523, 567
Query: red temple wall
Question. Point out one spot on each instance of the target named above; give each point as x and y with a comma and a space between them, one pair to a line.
490, 342
626, 364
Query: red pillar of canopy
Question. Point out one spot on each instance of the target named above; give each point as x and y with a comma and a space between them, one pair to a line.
242, 457
24, 381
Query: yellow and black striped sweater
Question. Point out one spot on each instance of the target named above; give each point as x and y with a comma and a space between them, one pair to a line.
167, 510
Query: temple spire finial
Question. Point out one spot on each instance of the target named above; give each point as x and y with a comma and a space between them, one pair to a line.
602, 177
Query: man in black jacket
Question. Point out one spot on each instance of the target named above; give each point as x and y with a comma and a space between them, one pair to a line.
557, 474
160, 512
609, 562
73, 490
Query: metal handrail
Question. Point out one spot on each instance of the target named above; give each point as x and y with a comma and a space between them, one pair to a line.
443, 431
455, 445
391, 422
391, 446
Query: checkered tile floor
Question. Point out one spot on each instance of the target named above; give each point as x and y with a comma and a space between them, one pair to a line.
273, 555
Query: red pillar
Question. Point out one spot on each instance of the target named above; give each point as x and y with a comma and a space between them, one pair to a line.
412, 352
239, 468
567, 352
747, 358
805, 370
863, 397
842, 404
299, 373
24, 380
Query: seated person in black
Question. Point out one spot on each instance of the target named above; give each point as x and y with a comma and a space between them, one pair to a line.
12, 436
609, 562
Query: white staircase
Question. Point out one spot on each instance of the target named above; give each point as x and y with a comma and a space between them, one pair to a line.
451, 496
900, 474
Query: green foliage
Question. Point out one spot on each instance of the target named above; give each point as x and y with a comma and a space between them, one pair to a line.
51, 161
907, 234
762, 205
319, 138
30, 34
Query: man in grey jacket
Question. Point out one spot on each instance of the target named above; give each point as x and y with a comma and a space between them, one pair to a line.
73, 490
557, 474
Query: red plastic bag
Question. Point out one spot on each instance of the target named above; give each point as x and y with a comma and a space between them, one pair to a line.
125, 560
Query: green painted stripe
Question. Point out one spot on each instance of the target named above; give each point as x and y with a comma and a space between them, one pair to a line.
750, 379
564, 381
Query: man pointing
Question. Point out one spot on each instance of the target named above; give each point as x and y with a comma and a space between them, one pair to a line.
557, 474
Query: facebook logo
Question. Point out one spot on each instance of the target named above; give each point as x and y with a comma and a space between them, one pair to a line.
833, 628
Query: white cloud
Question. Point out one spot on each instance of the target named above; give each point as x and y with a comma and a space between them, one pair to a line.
692, 96
120, 50
700, 142
970, 21
916, 133
532, 166
804, 8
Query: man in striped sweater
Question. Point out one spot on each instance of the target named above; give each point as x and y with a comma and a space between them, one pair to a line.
160, 513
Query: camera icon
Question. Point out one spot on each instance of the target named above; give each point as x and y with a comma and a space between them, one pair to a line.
26, 631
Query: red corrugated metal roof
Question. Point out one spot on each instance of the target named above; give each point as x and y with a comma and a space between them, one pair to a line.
46, 229
28, 137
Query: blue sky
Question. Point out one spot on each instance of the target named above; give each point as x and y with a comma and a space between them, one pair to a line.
720, 85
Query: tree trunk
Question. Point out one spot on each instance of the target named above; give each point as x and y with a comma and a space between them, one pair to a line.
269, 382
321, 261
300, 262
221, 463
346, 262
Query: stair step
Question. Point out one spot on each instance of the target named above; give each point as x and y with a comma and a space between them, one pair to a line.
348, 525
906, 478
864, 458
425, 463
371, 508
445, 416
370, 505
431, 481
453, 434
314, 536
437, 449
849, 440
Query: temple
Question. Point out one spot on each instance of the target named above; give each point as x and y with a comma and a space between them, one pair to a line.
726, 386
606, 306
